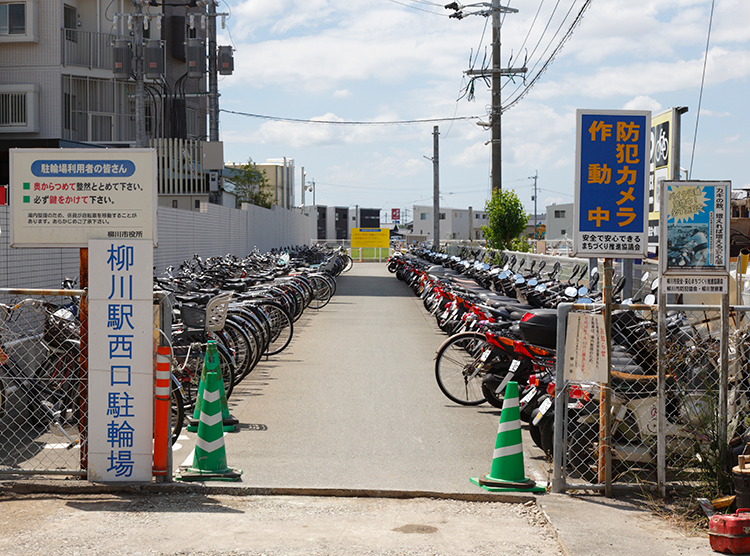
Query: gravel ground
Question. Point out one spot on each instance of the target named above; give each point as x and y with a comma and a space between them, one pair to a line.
200, 525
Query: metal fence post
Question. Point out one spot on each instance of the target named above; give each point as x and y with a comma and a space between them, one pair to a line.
558, 476
661, 370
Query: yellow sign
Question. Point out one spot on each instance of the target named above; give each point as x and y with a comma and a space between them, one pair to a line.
371, 237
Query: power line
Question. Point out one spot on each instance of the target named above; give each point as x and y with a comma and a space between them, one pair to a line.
350, 123
420, 9
700, 96
554, 54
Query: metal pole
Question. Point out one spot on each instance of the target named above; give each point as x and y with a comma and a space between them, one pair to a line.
605, 414
724, 367
560, 421
495, 120
661, 423
536, 175
213, 84
140, 90
436, 188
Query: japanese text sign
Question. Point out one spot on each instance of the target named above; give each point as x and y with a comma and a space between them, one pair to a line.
64, 197
371, 237
120, 360
586, 348
612, 176
695, 224
396, 215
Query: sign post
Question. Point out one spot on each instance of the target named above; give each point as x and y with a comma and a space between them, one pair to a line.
611, 216
103, 201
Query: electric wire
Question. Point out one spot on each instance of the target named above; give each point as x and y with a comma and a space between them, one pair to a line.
549, 61
420, 9
348, 123
700, 96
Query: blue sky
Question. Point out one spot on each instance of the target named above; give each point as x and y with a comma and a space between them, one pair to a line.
397, 60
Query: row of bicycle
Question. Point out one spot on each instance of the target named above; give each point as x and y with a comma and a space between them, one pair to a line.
502, 325
247, 305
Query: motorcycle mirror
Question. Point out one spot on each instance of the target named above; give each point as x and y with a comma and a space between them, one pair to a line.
520, 280
644, 278
570, 291
583, 290
650, 299
585, 300
542, 264
533, 282
541, 288
655, 284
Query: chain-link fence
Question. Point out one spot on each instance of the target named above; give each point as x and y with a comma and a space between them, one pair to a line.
42, 382
667, 427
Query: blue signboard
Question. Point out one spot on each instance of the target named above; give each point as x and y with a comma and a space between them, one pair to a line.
612, 173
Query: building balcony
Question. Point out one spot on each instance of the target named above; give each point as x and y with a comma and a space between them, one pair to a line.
87, 49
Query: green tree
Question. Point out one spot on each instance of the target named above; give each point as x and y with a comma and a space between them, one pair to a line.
506, 219
251, 185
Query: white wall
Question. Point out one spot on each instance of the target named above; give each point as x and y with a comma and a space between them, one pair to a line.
182, 234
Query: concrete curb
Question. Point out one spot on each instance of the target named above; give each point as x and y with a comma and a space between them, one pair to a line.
72, 488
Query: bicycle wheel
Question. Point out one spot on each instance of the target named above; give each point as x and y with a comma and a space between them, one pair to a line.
239, 345
177, 410
282, 327
459, 367
321, 290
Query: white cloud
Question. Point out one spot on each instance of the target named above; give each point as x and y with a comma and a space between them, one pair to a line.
341, 93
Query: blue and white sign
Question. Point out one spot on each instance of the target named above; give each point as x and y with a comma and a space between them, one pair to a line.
64, 197
611, 183
121, 375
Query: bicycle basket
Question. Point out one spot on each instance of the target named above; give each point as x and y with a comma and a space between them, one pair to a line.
193, 317
58, 328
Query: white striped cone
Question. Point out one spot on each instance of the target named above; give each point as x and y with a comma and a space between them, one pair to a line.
507, 472
210, 459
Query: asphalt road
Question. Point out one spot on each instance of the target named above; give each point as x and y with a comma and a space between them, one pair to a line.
352, 403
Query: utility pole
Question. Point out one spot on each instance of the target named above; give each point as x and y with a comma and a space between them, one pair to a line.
436, 188
497, 72
496, 114
140, 89
534, 177
213, 81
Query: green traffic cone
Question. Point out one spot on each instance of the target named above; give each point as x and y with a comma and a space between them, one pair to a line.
211, 362
507, 472
210, 458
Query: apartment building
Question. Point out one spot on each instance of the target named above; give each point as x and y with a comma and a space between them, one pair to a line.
454, 223
59, 87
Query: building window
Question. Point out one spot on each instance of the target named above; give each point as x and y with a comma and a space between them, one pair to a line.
563, 232
19, 108
476, 234
174, 203
559, 214
424, 215
477, 216
441, 216
197, 204
13, 19
70, 19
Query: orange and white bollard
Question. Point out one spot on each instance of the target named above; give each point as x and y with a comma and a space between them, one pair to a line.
161, 410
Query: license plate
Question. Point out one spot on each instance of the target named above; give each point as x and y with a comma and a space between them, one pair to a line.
546, 404
529, 396
514, 365
485, 355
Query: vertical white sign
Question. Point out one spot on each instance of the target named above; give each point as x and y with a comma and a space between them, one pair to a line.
121, 387
586, 348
